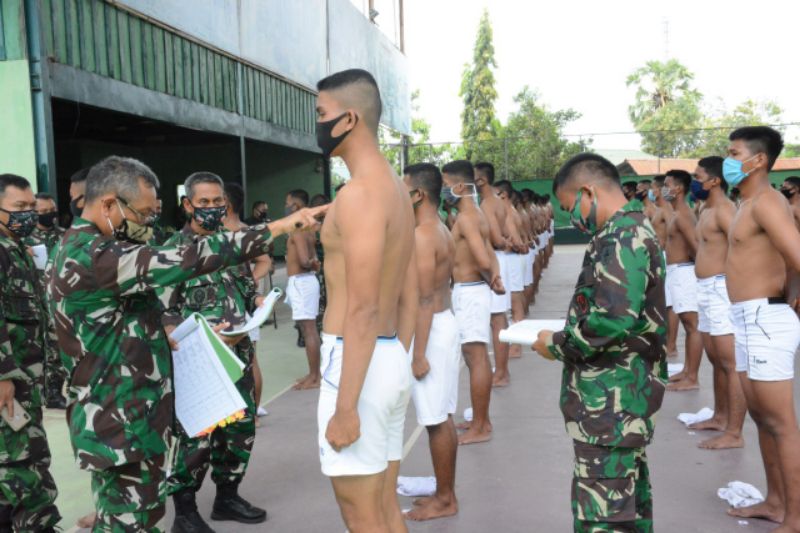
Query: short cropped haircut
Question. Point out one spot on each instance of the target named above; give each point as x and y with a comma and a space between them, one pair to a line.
761, 139
235, 195
461, 169
505, 186
682, 177
80, 176
659, 179
486, 170
427, 177
319, 199
201, 177
629, 185
258, 203
528, 195
713, 167
12, 180
586, 163
516, 196
120, 176
299, 194
794, 181
644, 182
356, 88
44, 196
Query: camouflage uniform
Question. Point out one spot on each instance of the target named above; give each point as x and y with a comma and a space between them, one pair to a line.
27, 490
222, 296
108, 323
615, 373
54, 372
160, 234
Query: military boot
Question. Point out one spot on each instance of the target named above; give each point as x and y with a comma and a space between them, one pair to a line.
187, 519
228, 505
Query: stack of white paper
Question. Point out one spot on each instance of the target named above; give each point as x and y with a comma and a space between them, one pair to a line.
527, 331
204, 391
260, 315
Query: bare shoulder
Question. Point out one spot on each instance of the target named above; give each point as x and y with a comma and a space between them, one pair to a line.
768, 203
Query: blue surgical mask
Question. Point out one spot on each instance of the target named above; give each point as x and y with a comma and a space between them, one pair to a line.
651, 195
449, 197
698, 191
732, 171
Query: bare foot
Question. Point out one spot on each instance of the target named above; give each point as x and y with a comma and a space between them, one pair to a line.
515, 351
312, 382
683, 385
422, 500
466, 426
680, 376
500, 381
432, 508
712, 424
87, 521
765, 510
473, 436
723, 442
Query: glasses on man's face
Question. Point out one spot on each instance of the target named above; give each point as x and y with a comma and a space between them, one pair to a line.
143, 219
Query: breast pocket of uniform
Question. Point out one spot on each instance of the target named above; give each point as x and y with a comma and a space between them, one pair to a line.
20, 308
199, 297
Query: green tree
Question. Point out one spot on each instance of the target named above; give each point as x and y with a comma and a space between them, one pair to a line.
478, 122
666, 111
534, 139
718, 126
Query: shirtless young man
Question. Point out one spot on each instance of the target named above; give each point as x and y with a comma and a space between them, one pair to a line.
495, 213
661, 214
475, 276
436, 353
515, 259
714, 305
302, 288
370, 277
529, 218
763, 242
791, 190
681, 282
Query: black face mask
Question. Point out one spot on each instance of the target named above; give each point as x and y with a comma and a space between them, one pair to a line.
641, 196
73, 207
48, 220
20, 223
788, 193
325, 139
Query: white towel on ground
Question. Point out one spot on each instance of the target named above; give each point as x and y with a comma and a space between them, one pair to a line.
706, 413
416, 486
740, 494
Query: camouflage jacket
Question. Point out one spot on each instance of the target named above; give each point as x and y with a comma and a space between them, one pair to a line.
48, 237
160, 234
22, 319
108, 322
218, 296
613, 345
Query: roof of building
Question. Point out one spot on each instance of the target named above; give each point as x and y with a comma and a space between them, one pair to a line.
617, 156
650, 167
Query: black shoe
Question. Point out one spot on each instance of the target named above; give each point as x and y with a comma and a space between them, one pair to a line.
187, 519
228, 505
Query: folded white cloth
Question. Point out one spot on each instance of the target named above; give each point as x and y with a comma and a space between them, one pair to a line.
468, 414
261, 411
416, 486
740, 494
674, 368
700, 416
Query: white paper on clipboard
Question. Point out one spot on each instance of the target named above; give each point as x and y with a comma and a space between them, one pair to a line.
260, 316
527, 331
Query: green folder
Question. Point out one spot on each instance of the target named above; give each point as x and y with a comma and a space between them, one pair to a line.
232, 365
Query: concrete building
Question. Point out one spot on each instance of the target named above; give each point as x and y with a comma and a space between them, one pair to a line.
226, 86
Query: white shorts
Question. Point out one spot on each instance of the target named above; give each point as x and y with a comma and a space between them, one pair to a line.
501, 303
435, 395
530, 257
714, 306
681, 286
516, 272
302, 293
381, 408
471, 306
552, 228
767, 336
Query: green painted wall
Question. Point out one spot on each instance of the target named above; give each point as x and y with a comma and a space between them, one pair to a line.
12, 30
273, 171
17, 150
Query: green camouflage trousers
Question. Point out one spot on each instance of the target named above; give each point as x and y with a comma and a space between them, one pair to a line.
226, 450
27, 490
131, 498
611, 490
